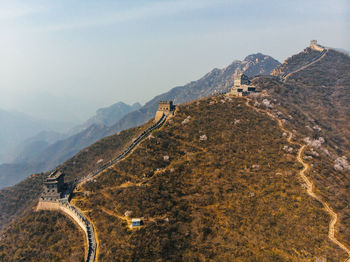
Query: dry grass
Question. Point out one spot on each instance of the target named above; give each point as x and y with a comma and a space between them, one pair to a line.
232, 197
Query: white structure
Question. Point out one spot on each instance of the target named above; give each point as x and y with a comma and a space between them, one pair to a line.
136, 222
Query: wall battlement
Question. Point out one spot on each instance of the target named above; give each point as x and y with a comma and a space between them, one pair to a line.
79, 218
54, 187
164, 108
315, 46
241, 85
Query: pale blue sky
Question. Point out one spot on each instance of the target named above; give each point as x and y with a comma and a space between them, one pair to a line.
64, 59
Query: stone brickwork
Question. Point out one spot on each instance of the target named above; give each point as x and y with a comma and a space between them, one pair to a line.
53, 187
242, 85
164, 108
315, 46
62, 204
79, 218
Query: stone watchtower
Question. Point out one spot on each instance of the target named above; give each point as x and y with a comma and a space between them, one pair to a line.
164, 108
240, 79
53, 187
315, 46
241, 85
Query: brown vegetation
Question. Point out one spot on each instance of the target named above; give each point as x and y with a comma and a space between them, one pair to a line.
316, 103
219, 186
42, 236
14, 201
235, 196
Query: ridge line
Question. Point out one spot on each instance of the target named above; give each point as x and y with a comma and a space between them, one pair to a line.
323, 53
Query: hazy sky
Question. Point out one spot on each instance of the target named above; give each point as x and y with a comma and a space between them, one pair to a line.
64, 59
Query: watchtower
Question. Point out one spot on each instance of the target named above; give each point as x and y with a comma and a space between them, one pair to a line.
315, 46
164, 108
241, 85
240, 79
313, 42
53, 187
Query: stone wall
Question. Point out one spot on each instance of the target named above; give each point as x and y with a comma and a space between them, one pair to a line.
79, 218
45, 205
64, 206
158, 115
315, 46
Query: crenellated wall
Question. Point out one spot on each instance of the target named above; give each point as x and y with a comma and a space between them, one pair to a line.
315, 46
64, 206
43, 205
79, 218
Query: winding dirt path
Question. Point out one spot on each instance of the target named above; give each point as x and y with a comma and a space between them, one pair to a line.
307, 181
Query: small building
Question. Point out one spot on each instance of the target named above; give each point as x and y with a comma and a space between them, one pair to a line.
136, 222
164, 108
241, 85
53, 187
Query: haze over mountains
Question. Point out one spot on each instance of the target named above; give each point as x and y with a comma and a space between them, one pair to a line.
106, 116
23, 138
16, 128
120, 116
235, 194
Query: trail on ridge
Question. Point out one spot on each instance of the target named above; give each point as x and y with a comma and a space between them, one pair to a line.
307, 181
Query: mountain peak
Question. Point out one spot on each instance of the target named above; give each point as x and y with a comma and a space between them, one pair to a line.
257, 57
312, 66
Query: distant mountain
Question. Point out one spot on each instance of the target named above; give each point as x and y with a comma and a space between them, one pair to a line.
221, 185
216, 81
11, 174
36, 144
222, 197
19, 154
258, 64
17, 127
107, 116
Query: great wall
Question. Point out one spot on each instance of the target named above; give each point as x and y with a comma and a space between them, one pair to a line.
75, 214
313, 45
164, 109
61, 203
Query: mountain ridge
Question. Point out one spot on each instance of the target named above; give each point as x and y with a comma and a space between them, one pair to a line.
243, 159
216, 81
